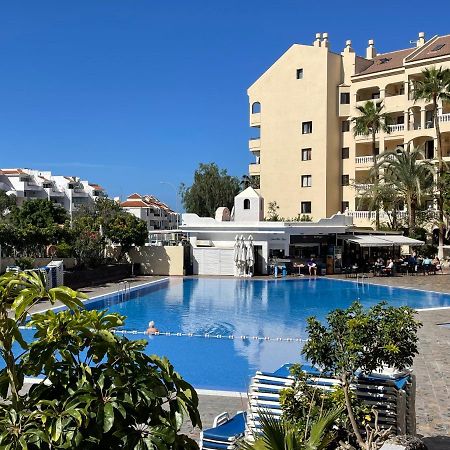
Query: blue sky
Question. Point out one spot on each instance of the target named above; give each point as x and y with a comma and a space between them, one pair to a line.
129, 93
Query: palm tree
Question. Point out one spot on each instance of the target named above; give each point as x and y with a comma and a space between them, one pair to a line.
371, 121
248, 181
410, 175
280, 435
435, 87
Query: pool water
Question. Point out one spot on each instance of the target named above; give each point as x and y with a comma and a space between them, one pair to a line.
242, 307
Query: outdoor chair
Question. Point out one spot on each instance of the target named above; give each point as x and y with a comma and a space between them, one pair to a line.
225, 432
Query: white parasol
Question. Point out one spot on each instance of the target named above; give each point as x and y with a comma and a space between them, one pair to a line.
250, 255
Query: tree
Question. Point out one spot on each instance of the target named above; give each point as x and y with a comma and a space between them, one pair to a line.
126, 230
357, 339
249, 181
370, 122
104, 391
7, 203
211, 189
435, 87
272, 212
411, 177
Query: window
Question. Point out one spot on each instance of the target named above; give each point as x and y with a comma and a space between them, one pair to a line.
345, 180
345, 206
375, 95
306, 127
246, 203
345, 126
299, 74
305, 207
384, 60
306, 180
345, 152
345, 98
256, 108
306, 154
436, 48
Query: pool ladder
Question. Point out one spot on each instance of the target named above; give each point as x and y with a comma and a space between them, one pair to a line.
123, 290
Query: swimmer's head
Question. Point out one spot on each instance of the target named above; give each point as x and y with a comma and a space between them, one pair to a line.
151, 324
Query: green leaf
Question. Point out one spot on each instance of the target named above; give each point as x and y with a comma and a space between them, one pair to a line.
108, 420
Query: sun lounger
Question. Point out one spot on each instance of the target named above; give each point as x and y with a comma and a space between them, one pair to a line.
225, 432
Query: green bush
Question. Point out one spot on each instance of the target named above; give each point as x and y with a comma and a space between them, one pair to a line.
24, 263
64, 250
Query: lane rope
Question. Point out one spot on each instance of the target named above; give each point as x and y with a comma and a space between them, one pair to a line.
198, 335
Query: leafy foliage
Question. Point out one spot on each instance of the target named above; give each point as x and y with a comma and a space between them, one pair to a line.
357, 339
101, 390
211, 189
281, 435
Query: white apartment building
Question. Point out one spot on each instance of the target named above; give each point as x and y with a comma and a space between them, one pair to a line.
69, 192
155, 213
307, 157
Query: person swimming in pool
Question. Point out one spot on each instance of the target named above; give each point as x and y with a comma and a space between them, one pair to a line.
151, 328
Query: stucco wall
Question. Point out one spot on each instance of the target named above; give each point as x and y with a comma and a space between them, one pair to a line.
159, 260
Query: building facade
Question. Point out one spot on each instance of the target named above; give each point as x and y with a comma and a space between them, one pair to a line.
68, 192
307, 157
156, 214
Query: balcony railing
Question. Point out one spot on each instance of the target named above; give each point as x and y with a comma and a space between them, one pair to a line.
364, 160
363, 186
371, 215
444, 117
396, 128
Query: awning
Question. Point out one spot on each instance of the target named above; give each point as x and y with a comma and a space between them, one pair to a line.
370, 240
398, 239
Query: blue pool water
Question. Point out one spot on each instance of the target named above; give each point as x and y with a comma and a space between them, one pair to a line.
262, 308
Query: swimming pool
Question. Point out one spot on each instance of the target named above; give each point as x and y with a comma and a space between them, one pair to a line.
242, 307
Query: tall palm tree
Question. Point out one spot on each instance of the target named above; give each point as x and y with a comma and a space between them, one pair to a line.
371, 121
435, 87
412, 177
248, 181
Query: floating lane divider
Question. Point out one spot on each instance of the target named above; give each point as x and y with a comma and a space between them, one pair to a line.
205, 335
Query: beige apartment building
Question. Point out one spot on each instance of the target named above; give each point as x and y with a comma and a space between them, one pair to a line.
306, 155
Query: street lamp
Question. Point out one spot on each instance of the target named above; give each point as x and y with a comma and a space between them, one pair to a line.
176, 198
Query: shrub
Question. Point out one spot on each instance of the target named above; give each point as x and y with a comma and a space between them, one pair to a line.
24, 263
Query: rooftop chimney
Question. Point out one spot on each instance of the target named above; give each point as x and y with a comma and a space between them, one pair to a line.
421, 40
316, 43
370, 50
324, 40
348, 47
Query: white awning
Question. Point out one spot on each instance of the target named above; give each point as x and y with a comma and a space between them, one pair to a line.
368, 240
398, 239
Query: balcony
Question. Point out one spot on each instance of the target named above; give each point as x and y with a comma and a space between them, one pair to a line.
396, 129
255, 119
254, 144
363, 186
254, 169
364, 160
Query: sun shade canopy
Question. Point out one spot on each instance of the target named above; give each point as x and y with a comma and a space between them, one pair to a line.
369, 240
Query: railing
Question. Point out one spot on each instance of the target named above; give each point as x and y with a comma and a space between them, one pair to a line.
444, 117
396, 128
363, 186
371, 215
364, 160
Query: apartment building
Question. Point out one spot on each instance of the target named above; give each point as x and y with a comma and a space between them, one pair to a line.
155, 213
68, 192
307, 158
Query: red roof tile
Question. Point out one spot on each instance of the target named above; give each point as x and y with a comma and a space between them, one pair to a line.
434, 49
385, 61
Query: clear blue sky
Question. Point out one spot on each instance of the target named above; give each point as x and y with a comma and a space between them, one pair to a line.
129, 93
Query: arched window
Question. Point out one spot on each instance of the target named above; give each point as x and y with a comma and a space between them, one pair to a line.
256, 108
246, 203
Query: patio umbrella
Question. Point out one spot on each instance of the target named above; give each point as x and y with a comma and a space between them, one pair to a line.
250, 256
242, 256
236, 250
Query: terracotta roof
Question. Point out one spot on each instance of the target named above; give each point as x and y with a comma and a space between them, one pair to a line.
13, 172
437, 47
133, 196
385, 61
96, 187
134, 204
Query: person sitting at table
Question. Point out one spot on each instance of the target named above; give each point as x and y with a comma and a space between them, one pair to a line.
437, 263
426, 264
389, 269
312, 266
